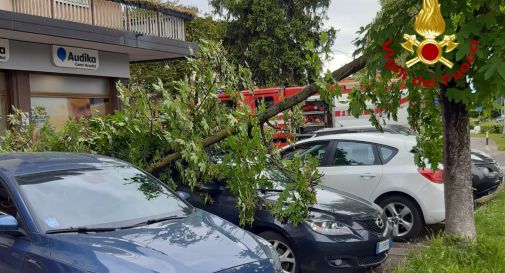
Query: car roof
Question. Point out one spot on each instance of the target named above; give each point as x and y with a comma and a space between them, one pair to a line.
19, 164
358, 127
394, 140
344, 130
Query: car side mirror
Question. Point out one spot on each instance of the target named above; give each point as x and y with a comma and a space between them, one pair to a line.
8, 223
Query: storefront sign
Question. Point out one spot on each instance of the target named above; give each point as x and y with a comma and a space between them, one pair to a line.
64, 56
4, 50
82, 3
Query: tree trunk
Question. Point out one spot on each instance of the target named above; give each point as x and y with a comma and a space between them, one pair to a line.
271, 112
459, 208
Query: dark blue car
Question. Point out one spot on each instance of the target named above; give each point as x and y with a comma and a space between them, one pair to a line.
343, 233
75, 213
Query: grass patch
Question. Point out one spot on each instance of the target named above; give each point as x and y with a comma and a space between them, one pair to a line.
445, 256
500, 141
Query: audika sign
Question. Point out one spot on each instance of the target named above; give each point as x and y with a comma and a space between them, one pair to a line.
72, 57
4, 50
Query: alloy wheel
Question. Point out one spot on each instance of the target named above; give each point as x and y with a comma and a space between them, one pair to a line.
286, 256
401, 217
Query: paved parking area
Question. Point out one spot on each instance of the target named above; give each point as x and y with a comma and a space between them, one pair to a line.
401, 250
396, 256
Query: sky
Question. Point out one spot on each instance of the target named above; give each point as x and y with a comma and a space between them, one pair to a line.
345, 15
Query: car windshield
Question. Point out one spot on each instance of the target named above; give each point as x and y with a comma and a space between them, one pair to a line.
277, 177
99, 197
406, 131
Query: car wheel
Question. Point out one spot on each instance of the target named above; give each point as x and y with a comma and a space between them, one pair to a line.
284, 250
405, 216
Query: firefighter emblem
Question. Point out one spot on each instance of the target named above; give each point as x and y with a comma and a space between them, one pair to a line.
429, 24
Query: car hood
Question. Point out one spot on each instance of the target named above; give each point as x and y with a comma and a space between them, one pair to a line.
201, 242
484, 157
344, 206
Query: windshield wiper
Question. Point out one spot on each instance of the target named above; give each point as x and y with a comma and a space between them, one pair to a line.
80, 230
153, 221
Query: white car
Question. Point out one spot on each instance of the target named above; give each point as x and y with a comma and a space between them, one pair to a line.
380, 168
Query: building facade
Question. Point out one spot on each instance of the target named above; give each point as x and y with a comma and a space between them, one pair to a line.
67, 55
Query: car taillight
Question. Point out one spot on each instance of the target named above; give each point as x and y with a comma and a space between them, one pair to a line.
435, 177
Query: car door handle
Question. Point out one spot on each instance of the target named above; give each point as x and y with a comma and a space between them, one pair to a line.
367, 176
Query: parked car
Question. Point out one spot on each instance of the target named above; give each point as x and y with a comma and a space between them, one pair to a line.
71, 213
379, 168
487, 175
389, 128
344, 233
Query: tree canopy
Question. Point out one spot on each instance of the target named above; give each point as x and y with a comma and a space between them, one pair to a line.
271, 36
480, 21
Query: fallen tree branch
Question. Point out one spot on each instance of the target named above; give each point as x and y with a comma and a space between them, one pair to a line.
272, 111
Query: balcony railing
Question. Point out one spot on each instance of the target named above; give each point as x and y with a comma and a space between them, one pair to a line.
107, 14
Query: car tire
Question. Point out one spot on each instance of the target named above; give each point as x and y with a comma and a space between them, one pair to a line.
404, 214
284, 250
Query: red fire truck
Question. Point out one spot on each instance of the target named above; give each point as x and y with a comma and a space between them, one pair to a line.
317, 114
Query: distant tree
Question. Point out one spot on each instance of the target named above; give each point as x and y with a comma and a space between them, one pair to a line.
205, 28
271, 36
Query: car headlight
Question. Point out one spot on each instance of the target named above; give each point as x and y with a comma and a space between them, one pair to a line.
327, 225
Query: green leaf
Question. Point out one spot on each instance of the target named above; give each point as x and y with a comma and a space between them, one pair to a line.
501, 69
490, 71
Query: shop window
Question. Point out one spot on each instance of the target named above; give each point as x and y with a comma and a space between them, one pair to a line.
60, 110
65, 97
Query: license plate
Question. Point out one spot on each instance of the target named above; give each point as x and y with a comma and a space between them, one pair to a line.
383, 246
